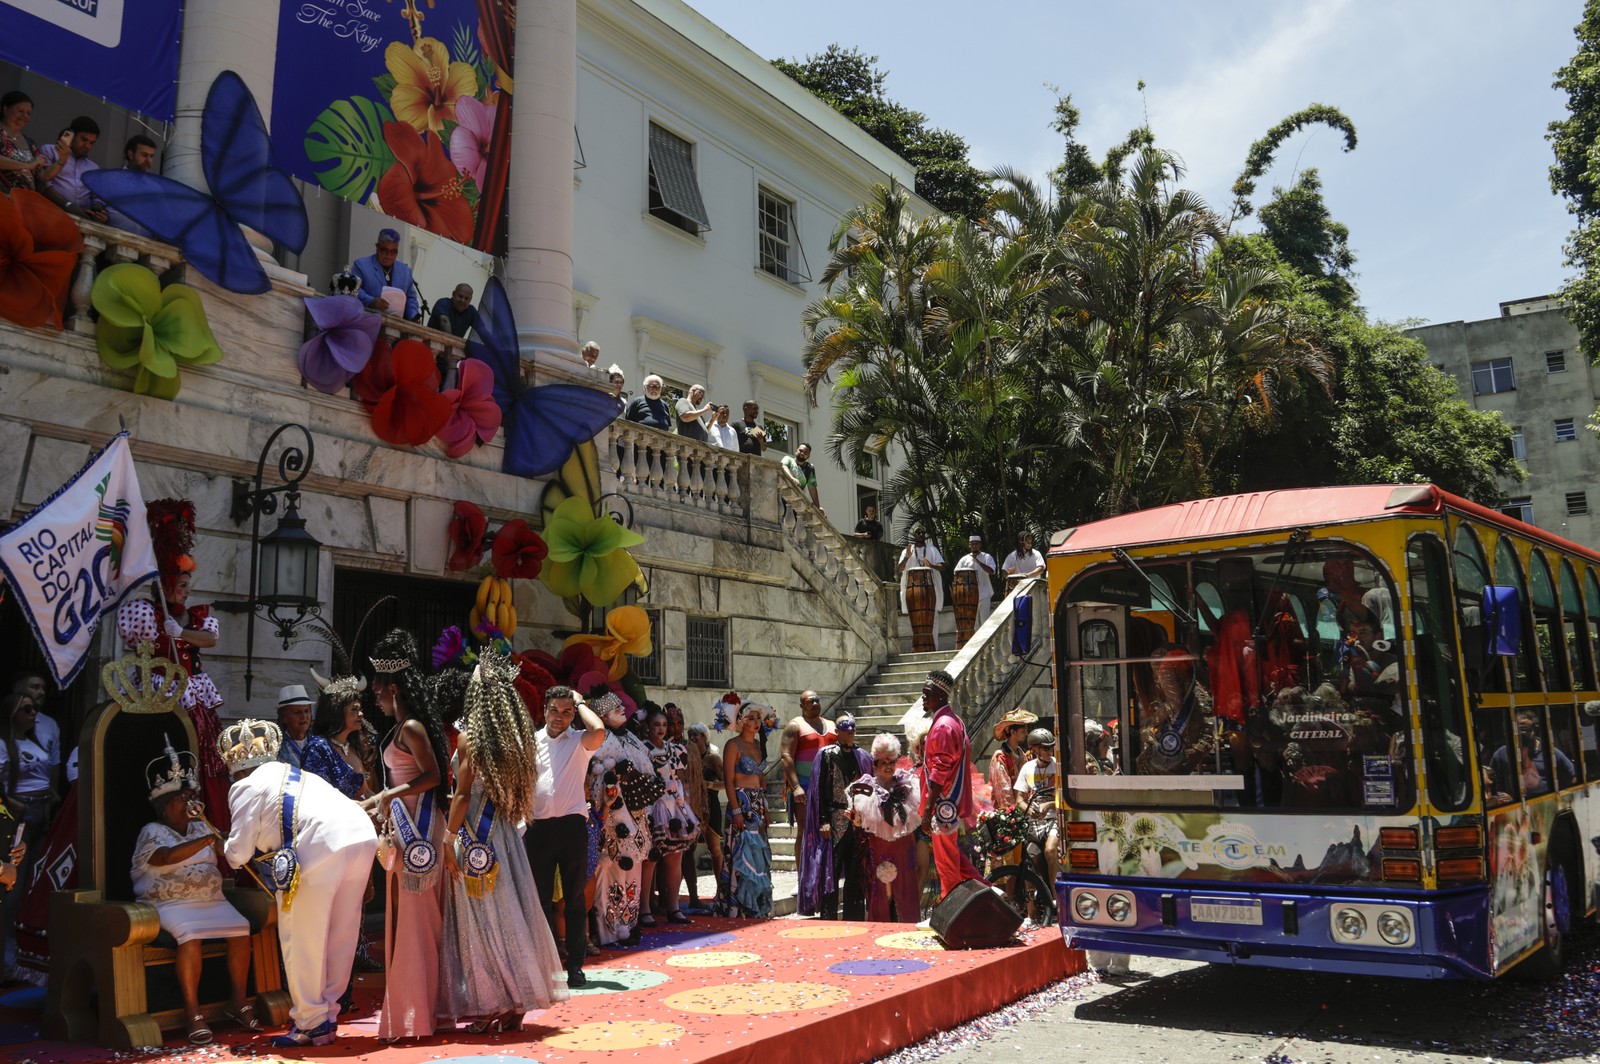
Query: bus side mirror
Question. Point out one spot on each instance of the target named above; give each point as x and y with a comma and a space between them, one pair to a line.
1502, 617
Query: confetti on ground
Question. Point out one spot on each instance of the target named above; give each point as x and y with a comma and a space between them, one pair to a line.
987, 1026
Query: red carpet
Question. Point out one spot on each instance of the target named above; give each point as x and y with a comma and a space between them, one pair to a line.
772, 991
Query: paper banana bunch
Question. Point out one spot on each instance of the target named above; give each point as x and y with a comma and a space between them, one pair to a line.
495, 606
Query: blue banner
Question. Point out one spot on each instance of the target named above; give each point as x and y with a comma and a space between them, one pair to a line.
124, 51
409, 111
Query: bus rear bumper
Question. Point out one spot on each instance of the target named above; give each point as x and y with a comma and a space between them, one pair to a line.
1447, 931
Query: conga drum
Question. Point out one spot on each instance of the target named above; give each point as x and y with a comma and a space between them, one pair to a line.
920, 601
964, 596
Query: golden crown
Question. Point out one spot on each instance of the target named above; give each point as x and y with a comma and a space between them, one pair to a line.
249, 743
144, 683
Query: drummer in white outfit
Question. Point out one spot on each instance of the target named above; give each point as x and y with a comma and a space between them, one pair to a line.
920, 554
319, 918
982, 564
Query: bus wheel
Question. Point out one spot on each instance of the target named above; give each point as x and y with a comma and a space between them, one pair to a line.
1549, 962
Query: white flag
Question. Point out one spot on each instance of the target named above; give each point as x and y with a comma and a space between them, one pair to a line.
78, 554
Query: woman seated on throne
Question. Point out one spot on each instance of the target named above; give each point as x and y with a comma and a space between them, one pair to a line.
177, 868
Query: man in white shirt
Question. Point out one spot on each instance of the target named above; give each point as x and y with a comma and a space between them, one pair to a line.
722, 433
1024, 561
1036, 793
920, 554
983, 565
333, 842
558, 834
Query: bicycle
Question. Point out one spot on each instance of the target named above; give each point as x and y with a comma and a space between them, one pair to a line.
1026, 885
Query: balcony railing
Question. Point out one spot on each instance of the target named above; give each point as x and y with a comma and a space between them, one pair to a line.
665, 466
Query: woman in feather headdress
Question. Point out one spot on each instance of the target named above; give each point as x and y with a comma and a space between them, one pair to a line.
179, 632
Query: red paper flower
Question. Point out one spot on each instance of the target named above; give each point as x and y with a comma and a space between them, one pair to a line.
532, 681
412, 411
467, 526
423, 187
39, 246
518, 551
377, 376
476, 416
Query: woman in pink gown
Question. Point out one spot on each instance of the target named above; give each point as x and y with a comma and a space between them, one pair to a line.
413, 803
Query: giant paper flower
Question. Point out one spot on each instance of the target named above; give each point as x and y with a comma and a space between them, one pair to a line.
412, 411
158, 330
342, 347
427, 84
39, 246
518, 551
469, 141
627, 633
422, 187
377, 376
586, 553
532, 681
476, 416
467, 526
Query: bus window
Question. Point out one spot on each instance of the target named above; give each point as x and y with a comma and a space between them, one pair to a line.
1508, 573
1547, 626
1591, 606
1472, 574
1564, 735
1530, 761
1444, 730
1099, 689
1575, 633
1492, 730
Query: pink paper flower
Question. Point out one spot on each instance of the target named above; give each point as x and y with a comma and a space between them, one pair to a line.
469, 143
476, 416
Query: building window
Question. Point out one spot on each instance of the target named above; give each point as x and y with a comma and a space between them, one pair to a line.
1555, 362
648, 668
707, 639
1566, 430
782, 434
1493, 376
1520, 507
779, 243
1519, 445
1577, 503
674, 186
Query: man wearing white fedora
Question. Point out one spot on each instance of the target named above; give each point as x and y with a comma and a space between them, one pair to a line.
313, 848
311, 752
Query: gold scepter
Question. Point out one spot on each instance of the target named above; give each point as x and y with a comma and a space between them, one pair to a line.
197, 810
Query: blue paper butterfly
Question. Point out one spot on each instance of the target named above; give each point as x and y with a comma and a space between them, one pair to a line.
246, 189
542, 425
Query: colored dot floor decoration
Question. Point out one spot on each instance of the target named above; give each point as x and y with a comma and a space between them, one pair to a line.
681, 940
879, 966
822, 931
910, 940
757, 999
712, 959
612, 1035
620, 980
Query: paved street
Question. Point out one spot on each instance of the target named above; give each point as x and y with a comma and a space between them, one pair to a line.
1199, 1014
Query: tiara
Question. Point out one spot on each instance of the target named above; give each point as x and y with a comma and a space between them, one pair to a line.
249, 743
341, 688
173, 771
496, 667
144, 683
389, 666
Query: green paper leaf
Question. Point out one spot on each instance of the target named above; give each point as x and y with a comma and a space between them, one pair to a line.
349, 134
384, 84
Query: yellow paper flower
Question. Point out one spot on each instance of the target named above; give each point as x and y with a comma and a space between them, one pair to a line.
627, 633
427, 84
152, 328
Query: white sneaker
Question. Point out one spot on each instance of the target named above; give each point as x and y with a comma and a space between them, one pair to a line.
925, 925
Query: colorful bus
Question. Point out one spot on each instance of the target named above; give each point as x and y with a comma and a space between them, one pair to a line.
1345, 729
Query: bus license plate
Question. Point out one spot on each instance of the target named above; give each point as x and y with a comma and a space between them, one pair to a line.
1226, 911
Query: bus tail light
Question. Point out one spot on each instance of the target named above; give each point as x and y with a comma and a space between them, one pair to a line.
1083, 860
1081, 831
1399, 839
1459, 838
1460, 869
1406, 869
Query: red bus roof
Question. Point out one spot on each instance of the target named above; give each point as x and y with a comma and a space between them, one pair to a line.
1265, 511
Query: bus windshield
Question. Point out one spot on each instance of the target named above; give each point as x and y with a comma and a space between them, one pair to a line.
1267, 678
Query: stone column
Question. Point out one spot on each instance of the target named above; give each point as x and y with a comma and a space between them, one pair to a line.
218, 35
539, 236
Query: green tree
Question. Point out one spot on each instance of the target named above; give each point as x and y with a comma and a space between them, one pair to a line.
1575, 176
1310, 242
851, 84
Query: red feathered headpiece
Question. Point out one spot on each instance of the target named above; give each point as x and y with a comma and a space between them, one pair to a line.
172, 535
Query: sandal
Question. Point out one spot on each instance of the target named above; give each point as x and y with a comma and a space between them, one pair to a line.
677, 918
482, 1026
199, 1033
244, 1016
510, 1022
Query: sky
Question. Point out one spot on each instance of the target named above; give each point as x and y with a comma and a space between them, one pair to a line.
1447, 195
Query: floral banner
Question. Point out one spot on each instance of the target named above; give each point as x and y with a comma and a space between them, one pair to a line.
409, 111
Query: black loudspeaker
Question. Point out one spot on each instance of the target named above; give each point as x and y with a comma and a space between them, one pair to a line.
974, 916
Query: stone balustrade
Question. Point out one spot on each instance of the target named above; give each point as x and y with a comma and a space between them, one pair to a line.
653, 464
105, 245
828, 551
396, 329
